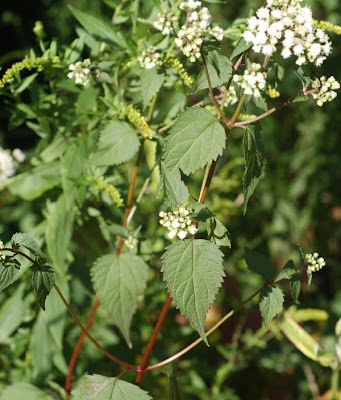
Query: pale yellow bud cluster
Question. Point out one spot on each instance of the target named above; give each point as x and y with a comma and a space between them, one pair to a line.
179, 222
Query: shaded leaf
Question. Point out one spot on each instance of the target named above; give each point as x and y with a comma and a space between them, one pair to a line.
23, 390
8, 273
271, 303
287, 272
259, 264
195, 140
240, 48
217, 232
118, 281
151, 83
295, 288
26, 241
193, 272
176, 191
42, 281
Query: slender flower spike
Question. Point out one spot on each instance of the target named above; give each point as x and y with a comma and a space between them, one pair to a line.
253, 81
314, 262
325, 89
178, 222
2, 256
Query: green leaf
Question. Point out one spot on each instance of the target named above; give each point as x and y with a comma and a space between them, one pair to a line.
8, 273
295, 288
26, 83
23, 390
118, 230
151, 83
217, 232
195, 140
287, 272
99, 387
87, 99
119, 280
219, 70
23, 240
193, 272
42, 281
240, 48
260, 102
98, 28
257, 263
200, 211
254, 161
118, 143
271, 303
176, 191
32, 184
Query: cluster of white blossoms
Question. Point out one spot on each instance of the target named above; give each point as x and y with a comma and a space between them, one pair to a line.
166, 22
150, 58
231, 97
314, 262
325, 89
253, 81
287, 23
2, 256
131, 242
8, 162
80, 72
179, 223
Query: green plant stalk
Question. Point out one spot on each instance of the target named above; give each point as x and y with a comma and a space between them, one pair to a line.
335, 382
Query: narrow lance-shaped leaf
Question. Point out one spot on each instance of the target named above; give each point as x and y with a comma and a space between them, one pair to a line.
195, 140
42, 281
271, 303
193, 271
119, 280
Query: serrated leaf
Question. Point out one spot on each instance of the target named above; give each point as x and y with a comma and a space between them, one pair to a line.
217, 232
219, 70
295, 288
118, 281
240, 48
176, 191
26, 241
259, 264
118, 230
287, 272
271, 303
8, 273
98, 28
254, 161
200, 211
23, 390
260, 102
99, 387
193, 272
118, 143
151, 83
195, 140
42, 281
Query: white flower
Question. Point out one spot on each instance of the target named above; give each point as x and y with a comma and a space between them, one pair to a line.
178, 222
80, 72
131, 242
2, 256
325, 89
165, 22
7, 167
314, 262
252, 81
18, 155
149, 59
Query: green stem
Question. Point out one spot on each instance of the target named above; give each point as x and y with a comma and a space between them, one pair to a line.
335, 382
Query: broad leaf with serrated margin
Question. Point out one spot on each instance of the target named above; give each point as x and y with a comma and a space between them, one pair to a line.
118, 281
118, 143
42, 281
99, 387
193, 272
217, 232
24, 240
8, 273
176, 191
254, 160
195, 140
151, 83
270, 303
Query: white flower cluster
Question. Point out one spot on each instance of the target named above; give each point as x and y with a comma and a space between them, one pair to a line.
252, 81
190, 35
131, 242
325, 89
314, 262
286, 22
7, 165
2, 256
231, 97
150, 59
178, 222
165, 22
80, 72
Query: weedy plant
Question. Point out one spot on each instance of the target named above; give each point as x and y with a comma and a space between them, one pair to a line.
129, 117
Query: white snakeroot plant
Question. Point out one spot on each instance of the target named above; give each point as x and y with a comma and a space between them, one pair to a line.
314, 262
325, 89
253, 81
179, 222
7, 165
150, 58
80, 72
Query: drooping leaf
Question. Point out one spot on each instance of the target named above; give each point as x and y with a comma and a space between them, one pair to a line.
254, 161
97, 27
240, 48
99, 387
176, 191
295, 288
195, 140
217, 232
259, 264
26, 241
24, 390
287, 272
271, 303
118, 281
42, 281
151, 83
193, 272
118, 143
8, 273
219, 70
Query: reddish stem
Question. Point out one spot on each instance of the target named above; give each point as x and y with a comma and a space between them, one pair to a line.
152, 340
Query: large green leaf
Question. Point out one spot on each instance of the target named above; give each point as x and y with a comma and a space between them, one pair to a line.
219, 70
151, 83
259, 264
119, 280
195, 140
176, 191
24, 240
8, 273
193, 271
118, 143
42, 281
254, 160
271, 303
23, 390
99, 387
98, 28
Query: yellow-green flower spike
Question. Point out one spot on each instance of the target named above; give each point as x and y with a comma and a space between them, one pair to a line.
176, 64
328, 26
135, 117
100, 185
